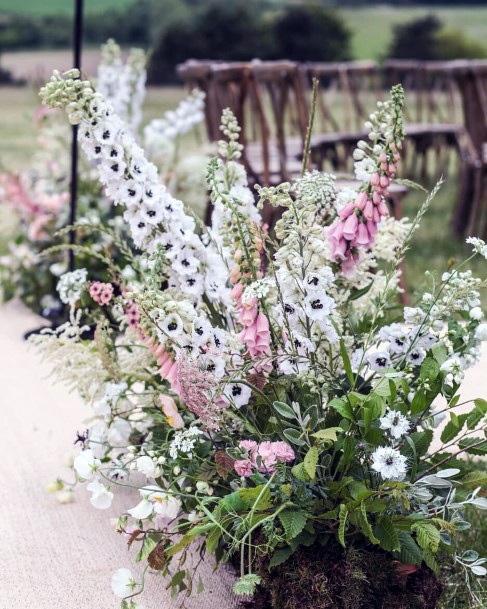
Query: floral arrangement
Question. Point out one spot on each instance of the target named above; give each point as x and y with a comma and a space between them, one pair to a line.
38, 198
263, 391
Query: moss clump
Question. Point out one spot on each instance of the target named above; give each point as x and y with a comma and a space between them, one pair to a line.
333, 578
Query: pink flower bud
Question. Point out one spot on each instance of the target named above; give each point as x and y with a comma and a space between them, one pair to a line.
350, 227
384, 181
375, 179
346, 210
361, 200
368, 210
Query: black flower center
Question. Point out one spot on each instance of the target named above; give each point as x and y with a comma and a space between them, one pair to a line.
236, 390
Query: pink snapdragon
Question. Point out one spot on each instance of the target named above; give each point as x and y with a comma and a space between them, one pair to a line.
101, 293
264, 457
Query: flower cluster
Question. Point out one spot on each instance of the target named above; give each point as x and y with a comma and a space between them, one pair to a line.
267, 384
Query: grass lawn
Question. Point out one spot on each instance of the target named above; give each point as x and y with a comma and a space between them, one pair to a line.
372, 27
433, 243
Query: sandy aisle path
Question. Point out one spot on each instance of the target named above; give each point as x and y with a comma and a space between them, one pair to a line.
56, 556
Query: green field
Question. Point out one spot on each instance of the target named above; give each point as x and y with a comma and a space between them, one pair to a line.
372, 28
51, 7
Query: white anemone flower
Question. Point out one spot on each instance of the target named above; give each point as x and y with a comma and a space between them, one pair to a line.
123, 583
396, 423
86, 464
389, 463
101, 496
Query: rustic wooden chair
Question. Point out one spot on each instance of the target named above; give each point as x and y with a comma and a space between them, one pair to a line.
432, 120
196, 74
347, 94
470, 214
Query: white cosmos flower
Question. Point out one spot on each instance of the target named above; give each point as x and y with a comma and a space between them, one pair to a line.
101, 496
146, 466
396, 423
389, 463
123, 583
86, 464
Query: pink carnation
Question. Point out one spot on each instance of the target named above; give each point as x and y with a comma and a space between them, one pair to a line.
243, 468
283, 452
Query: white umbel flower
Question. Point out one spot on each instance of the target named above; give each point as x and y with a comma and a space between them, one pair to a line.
389, 463
395, 423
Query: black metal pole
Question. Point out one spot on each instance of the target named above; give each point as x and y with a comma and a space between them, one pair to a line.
77, 39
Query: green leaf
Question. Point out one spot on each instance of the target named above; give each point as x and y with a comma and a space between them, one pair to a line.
419, 403
342, 516
474, 418
475, 479
280, 556
429, 370
349, 445
261, 493
328, 435
284, 410
480, 450
180, 545
410, 553
147, 546
346, 362
299, 472
421, 441
311, 461
453, 427
294, 436
212, 539
366, 525
343, 407
481, 405
427, 535
385, 532
440, 353
293, 522
358, 293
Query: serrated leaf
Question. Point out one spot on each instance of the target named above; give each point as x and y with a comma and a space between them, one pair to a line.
480, 450
440, 352
430, 561
454, 427
427, 535
280, 556
429, 370
342, 517
294, 436
481, 404
419, 403
410, 553
284, 410
311, 461
293, 522
299, 472
387, 535
475, 479
257, 498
